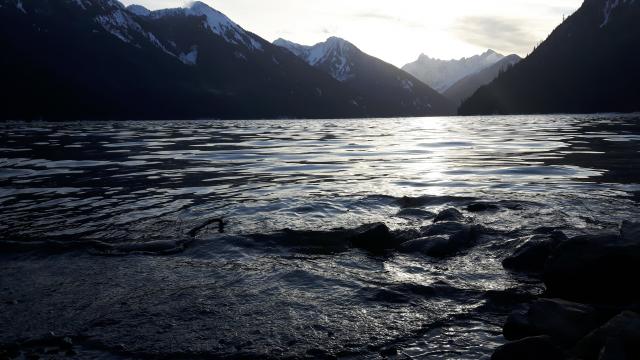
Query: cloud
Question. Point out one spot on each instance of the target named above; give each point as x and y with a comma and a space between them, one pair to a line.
380, 16
507, 35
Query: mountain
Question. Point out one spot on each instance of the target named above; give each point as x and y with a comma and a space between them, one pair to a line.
588, 64
467, 86
394, 91
441, 74
96, 59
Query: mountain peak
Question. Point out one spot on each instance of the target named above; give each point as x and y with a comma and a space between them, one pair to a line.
215, 21
490, 52
441, 74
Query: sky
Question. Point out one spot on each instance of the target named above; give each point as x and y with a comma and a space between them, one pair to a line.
398, 31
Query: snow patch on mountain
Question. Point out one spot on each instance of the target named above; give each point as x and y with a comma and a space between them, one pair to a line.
214, 20
334, 54
118, 21
190, 58
609, 6
119, 24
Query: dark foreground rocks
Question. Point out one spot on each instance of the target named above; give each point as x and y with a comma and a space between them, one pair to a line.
590, 309
531, 348
447, 235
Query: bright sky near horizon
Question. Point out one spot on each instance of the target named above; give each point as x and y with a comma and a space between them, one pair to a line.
400, 30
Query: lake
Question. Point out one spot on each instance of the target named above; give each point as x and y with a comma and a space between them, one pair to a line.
95, 218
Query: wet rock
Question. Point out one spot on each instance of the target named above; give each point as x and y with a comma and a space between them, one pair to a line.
404, 235
533, 254
507, 298
565, 322
518, 326
482, 207
595, 268
617, 339
373, 237
449, 215
415, 213
448, 238
613, 349
531, 348
423, 245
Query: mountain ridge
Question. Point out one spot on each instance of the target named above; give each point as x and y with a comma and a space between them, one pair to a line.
467, 86
588, 64
441, 74
96, 59
369, 75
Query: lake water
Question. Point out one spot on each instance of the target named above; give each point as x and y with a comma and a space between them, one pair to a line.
66, 187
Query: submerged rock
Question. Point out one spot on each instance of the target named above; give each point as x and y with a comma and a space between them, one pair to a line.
415, 213
430, 245
481, 207
533, 254
449, 215
531, 348
596, 268
373, 237
442, 239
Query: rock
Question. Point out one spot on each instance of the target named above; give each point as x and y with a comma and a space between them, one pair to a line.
373, 237
531, 348
415, 213
518, 326
613, 349
533, 254
565, 322
423, 245
404, 235
617, 339
595, 269
449, 238
481, 207
449, 215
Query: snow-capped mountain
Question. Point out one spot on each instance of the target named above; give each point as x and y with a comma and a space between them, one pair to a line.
212, 19
465, 87
96, 59
441, 74
588, 64
335, 56
372, 77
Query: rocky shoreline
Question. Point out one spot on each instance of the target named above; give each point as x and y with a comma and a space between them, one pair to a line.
589, 310
590, 307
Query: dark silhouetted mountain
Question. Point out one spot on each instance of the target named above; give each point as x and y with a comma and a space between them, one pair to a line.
588, 64
441, 74
96, 59
467, 86
389, 87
